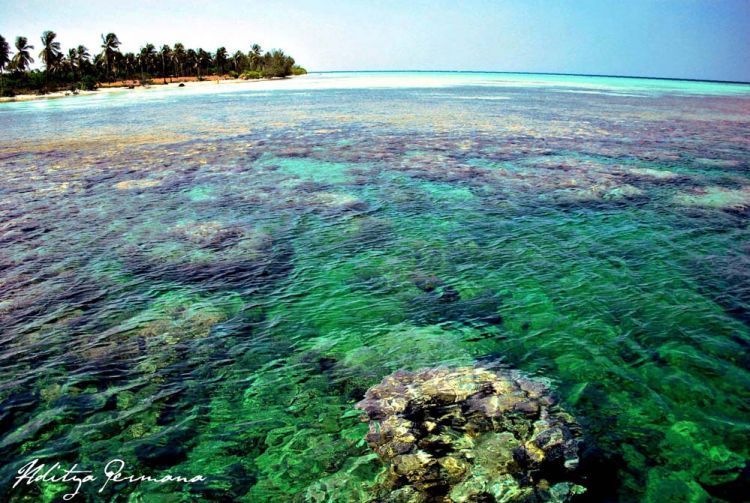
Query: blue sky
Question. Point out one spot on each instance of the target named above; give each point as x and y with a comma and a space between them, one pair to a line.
706, 39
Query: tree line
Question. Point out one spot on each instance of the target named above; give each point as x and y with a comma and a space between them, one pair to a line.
78, 69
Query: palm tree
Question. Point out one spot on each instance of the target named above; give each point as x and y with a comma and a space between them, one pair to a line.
110, 45
4, 60
178, 54
50, 52
83, 58
198, 60
221, 59
145, 57
72, 62
192, 60
255, 58
4, 53
204, 60
83, 53
22, 59
129, 63
166, 56
277, 64
237, 59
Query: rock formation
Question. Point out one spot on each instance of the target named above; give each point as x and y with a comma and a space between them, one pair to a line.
471, 434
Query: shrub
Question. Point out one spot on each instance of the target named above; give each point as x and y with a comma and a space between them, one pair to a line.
233, 74
277, 64
298, 70
88, 83
36, 81
251, 74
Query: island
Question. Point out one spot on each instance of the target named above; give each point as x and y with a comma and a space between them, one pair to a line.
77, 70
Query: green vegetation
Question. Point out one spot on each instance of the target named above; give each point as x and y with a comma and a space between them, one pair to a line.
78, 69
251, 74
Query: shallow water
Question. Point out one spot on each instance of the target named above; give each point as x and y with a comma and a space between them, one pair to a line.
204, 281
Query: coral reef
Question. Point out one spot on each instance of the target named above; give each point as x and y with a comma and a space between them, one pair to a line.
230, 286
471, 434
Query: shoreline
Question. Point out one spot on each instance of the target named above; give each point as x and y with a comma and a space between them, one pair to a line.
388, 80
134, 85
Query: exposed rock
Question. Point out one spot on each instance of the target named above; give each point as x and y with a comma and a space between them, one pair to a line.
471, 434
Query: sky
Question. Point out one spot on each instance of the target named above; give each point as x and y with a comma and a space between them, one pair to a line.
697, 39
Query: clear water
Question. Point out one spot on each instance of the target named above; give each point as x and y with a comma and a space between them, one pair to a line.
205, 280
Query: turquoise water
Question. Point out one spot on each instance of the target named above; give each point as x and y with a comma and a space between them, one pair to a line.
206, 280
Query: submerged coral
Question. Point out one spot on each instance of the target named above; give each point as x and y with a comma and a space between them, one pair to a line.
716, 197
188, 280
471, 434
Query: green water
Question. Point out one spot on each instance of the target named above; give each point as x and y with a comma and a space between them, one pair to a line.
206, 283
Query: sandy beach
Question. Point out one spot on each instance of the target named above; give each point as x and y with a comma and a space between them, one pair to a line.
135, 86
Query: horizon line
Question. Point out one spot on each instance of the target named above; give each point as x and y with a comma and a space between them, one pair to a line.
683, 79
